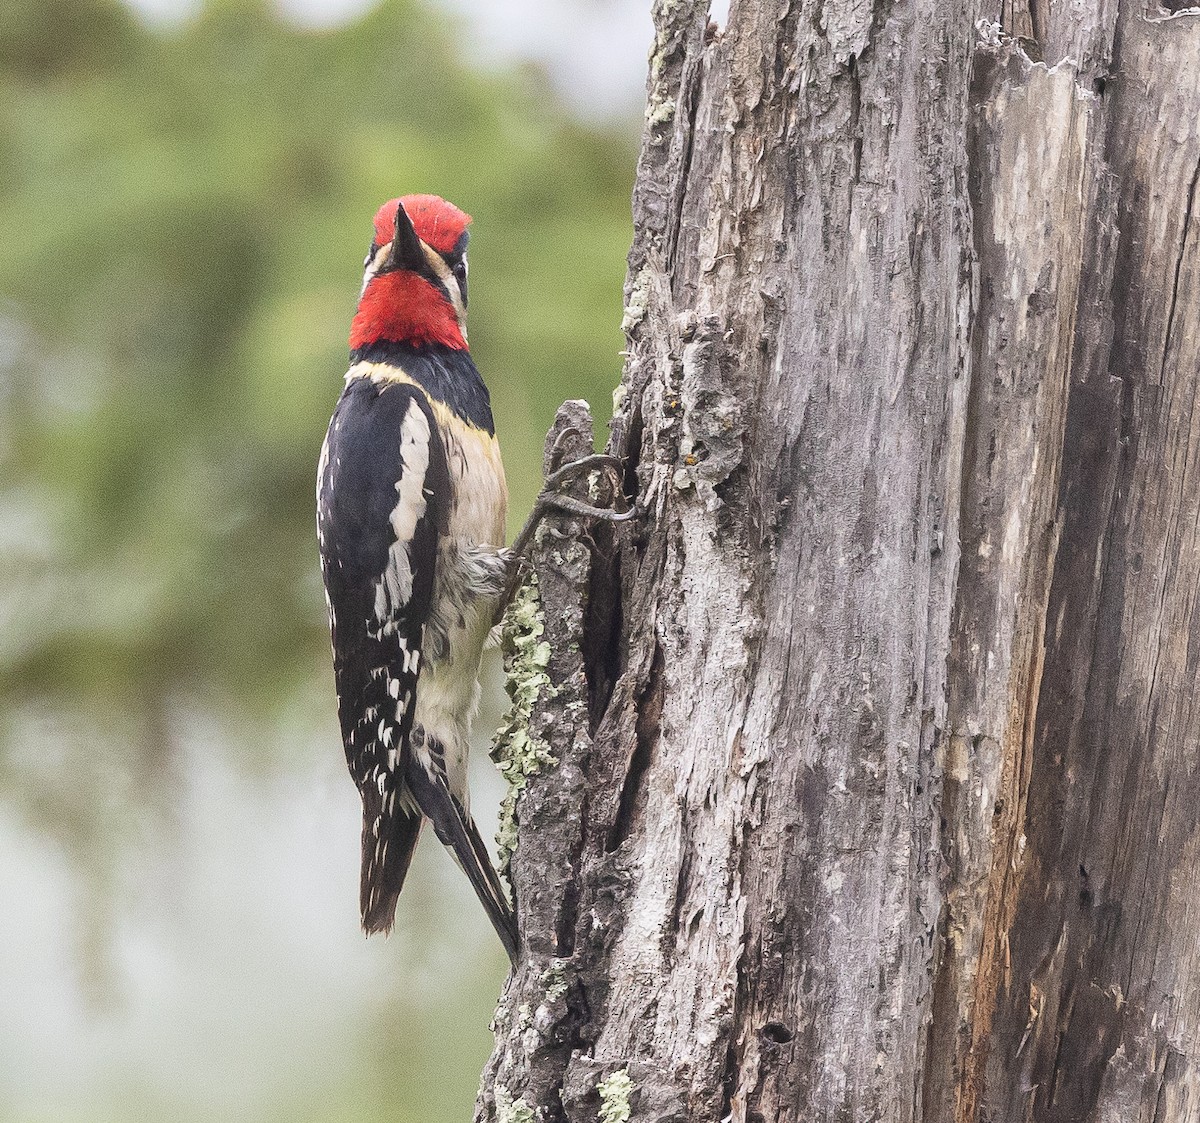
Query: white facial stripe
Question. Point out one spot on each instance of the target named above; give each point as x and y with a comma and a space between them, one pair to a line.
374, 264
438, 264
445, 274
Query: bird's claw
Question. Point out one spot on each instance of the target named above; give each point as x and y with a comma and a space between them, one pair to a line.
597, 462
551, 499
571, 506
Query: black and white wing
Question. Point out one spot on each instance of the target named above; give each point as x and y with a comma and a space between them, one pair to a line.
382, 494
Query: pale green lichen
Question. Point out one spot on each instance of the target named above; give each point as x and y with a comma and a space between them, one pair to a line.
615, 1091
524, 1018
661, 109
660, 112
501, 1017
509, 1110
518, 753
619, 396
638, 302
554, 979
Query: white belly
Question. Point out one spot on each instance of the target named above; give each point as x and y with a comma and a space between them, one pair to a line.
471, 573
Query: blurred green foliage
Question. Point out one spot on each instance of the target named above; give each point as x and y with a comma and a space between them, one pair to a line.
184, 216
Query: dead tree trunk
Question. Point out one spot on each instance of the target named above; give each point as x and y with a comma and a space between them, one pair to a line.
859, 779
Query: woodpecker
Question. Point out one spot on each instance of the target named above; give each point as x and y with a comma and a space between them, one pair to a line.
411, 512
411, 506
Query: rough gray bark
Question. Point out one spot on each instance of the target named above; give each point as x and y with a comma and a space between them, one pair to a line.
875, 795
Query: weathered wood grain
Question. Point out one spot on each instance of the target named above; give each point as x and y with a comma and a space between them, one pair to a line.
1098, 1013
875, 796
1030, 193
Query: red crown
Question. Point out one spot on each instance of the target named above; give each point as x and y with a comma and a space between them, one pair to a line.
438, 224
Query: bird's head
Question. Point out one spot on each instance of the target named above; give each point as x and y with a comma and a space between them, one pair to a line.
415, 281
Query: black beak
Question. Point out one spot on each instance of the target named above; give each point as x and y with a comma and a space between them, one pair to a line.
406, 246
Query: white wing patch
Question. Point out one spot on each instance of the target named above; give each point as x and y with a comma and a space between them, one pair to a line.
395, 586
410, 489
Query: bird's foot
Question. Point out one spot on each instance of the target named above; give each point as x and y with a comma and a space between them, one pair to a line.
553, 499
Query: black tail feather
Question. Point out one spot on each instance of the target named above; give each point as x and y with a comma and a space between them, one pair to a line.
459, 834
388, 843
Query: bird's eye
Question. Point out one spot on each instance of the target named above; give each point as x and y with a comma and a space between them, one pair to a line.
459, 269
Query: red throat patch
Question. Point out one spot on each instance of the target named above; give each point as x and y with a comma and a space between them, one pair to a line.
404, 308
438, 224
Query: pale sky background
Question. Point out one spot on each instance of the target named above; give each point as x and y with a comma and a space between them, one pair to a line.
594, 51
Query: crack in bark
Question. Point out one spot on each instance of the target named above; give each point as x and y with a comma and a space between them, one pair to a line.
1183, 241
690, 95
856, 139
603, 626
648, 706
1026, 22
1173, 1066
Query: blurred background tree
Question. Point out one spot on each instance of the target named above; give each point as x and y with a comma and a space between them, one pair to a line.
183, 211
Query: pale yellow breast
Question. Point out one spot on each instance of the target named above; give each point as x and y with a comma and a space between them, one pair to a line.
480, 502
477, 478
